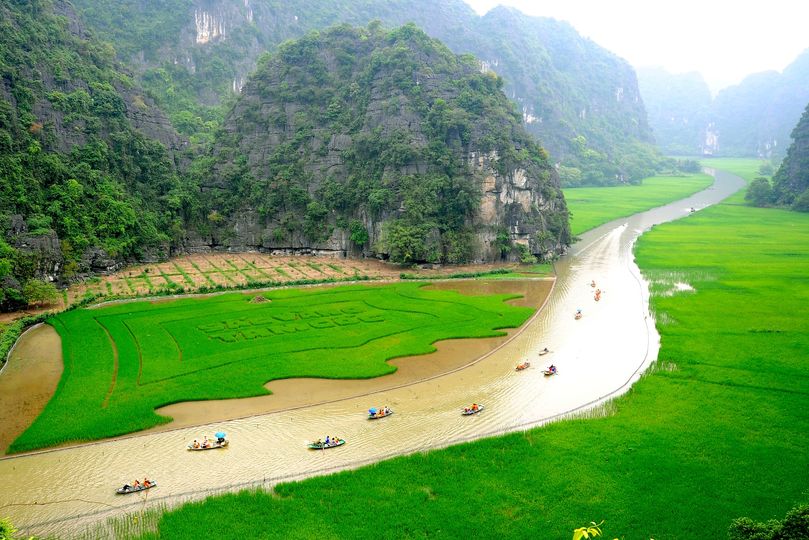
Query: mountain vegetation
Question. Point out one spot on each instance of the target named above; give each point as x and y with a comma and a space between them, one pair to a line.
751, 119
87, 164
580, 100
381, 141
791, 182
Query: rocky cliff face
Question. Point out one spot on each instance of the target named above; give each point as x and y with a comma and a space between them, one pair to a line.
386, 143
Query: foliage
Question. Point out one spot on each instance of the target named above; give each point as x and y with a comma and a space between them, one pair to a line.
340, 161
591, 207
759, 192
791, 182
37, 291
592, 530
795, 526
125, 358
70, 158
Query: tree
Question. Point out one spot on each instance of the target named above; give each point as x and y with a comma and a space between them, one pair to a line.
37, 291
795, 526
759, 193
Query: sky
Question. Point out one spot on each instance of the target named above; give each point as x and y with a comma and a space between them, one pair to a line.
723, 40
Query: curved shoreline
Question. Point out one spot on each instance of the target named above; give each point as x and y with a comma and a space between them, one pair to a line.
511, 334
591, 366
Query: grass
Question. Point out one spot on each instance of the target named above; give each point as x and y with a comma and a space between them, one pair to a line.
186, 278
124, 360
594, 206
716, 430
746, 168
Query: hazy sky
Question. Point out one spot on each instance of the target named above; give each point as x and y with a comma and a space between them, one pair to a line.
724, 40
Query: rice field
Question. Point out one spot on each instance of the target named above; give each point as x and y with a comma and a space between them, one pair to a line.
123, 360
593, 206
717, 429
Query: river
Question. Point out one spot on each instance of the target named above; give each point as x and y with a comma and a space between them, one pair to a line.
64, 491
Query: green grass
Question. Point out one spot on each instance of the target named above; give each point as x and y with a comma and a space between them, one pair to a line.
716, 430
746, 168
186, 278
591, 207
335, 268
124, 360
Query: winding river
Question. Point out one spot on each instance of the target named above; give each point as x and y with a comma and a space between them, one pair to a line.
64, 491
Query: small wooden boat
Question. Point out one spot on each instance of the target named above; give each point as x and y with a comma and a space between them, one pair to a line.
334, 443
381, 413
549, 372
544, 351
127, 489
577, 316
212, 445
524, 365
469, 410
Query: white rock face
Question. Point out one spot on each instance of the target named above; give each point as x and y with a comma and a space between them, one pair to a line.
209, 28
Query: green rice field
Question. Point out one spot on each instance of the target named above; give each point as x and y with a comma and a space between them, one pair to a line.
717, 429
593, 206
121, 361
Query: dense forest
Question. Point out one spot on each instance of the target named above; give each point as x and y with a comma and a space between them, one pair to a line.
93, 174
791, 182
578, 99
86, 178
751, 119
384, 142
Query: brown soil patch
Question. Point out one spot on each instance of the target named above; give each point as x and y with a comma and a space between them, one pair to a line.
28, 381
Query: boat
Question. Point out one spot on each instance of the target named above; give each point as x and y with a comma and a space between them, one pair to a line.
578, 315
468, 410
544, 351
212, 445
549, 372
524, 365
127, 489
334, 443
374, 414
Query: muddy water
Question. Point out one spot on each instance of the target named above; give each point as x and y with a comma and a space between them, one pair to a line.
598, 356
28, 381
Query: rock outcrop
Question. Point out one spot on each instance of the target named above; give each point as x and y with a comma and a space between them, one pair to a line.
386, 143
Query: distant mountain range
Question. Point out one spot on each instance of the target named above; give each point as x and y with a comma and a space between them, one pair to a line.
751, 119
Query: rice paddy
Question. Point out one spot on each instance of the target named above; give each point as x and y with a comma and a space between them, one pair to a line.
593, 206
716, 430
124, 360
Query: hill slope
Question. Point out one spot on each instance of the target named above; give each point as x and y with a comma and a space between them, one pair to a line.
791, 182
581, 101
386, 142
84, 166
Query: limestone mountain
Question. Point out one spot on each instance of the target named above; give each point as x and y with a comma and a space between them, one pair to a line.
791, 182
581, 101
756, 117
751, 119
86, 159
383, 142
678, 106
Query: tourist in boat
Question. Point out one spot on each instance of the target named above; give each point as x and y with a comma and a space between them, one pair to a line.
545, 350
386, 410
196, 443
147, 483
126, 487
593, 283
466, 409
552, 368
475, 407
135, 484
206, 443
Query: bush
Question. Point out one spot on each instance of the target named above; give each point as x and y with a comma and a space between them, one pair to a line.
795, 526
